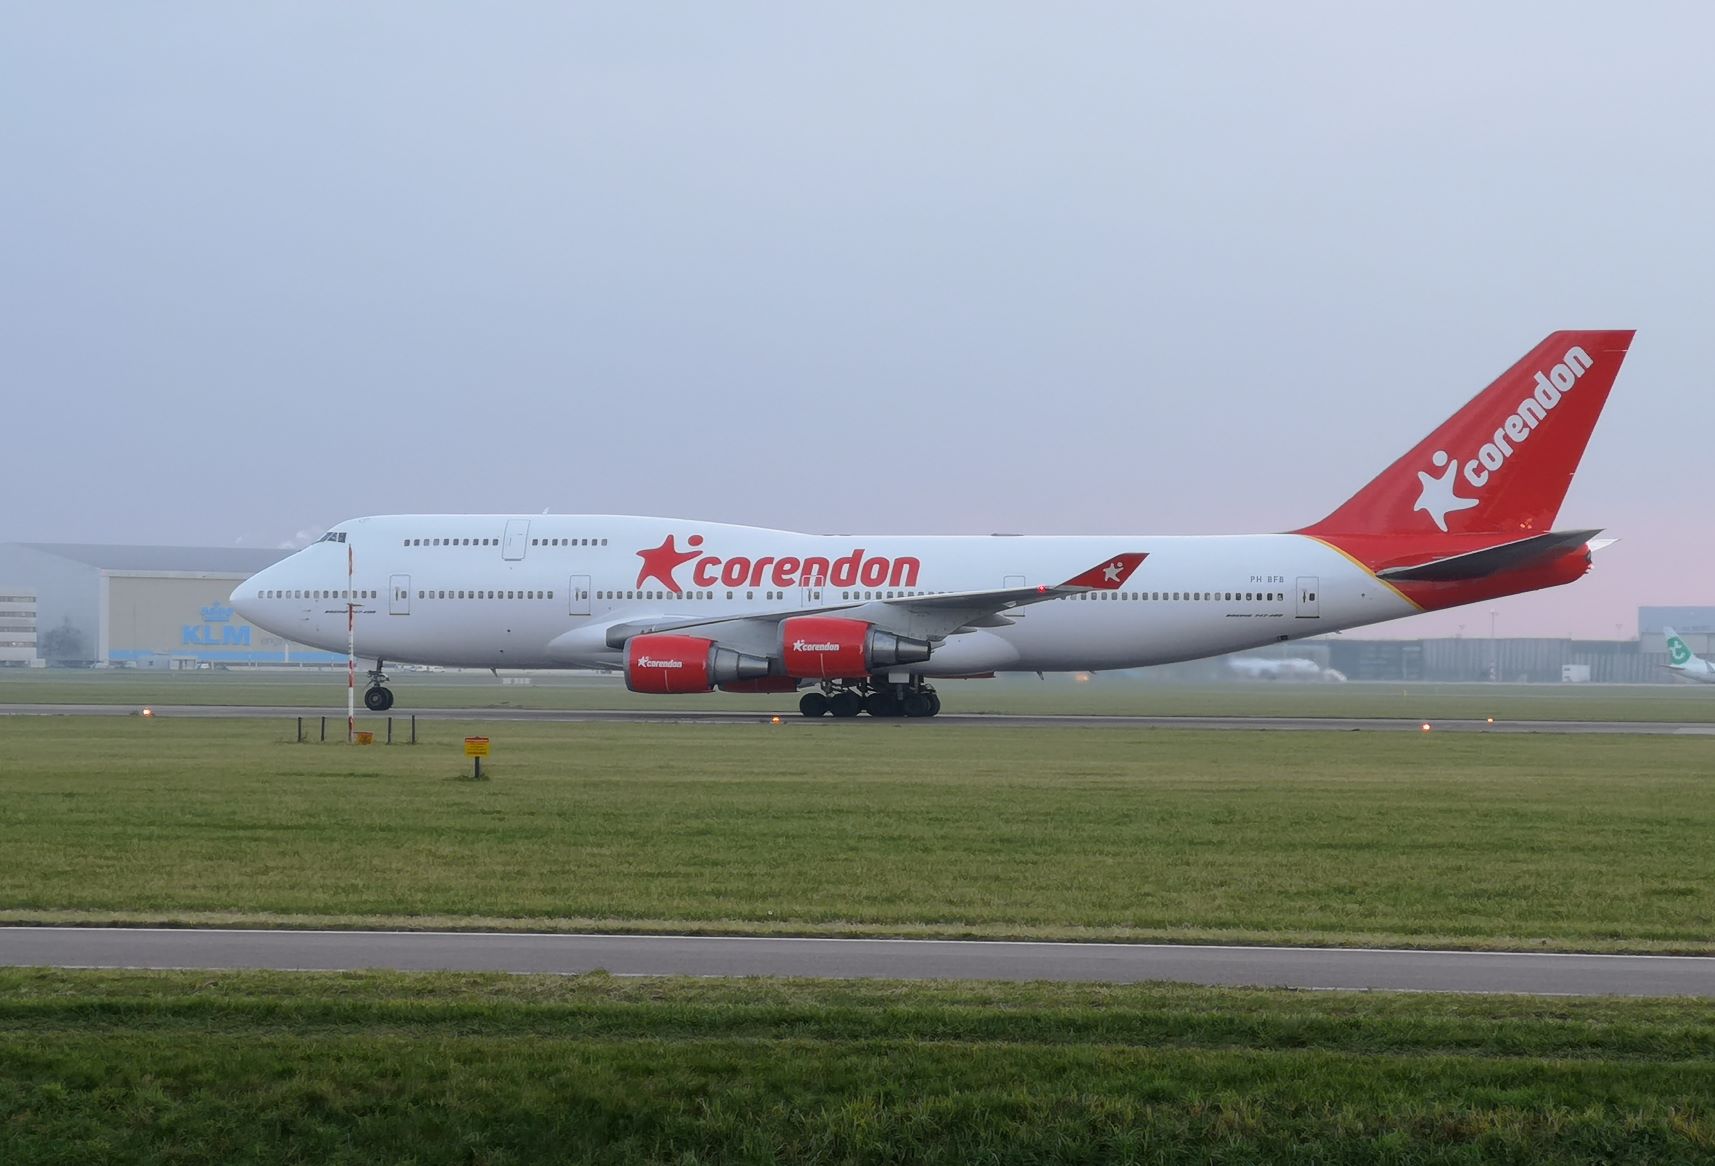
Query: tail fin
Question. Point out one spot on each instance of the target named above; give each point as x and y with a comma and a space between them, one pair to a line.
1679, 654
1501, 464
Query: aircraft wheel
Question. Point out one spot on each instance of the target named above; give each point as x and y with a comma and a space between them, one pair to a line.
881, 704
934, 703
813, 704
917, 704
845, 704
378, 699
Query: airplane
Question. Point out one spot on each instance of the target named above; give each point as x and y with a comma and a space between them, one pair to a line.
867, 624
1683, 661
1282, 668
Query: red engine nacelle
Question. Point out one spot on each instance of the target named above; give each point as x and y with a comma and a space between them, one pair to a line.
663, 663
828, 647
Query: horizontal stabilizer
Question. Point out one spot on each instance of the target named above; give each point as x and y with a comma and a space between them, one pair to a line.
1481, 564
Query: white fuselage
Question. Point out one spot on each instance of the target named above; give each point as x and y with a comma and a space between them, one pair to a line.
497, 591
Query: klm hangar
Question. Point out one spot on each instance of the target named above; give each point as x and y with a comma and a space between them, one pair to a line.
146, 607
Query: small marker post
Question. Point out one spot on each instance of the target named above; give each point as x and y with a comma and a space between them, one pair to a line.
476, 748
350, 649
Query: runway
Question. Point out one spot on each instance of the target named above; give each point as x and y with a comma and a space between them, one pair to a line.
904, 959
711, 716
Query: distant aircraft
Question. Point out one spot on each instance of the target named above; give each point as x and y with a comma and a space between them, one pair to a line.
866, 623
1685, 662
1288, 668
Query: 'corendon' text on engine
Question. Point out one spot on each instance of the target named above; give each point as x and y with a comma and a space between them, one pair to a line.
804, 646
853, 570
1550, 387
651, 662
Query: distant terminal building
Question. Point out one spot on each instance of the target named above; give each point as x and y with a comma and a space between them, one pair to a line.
143, 607
18, 627
1521, 660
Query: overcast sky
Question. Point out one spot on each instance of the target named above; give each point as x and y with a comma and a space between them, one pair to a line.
937, 268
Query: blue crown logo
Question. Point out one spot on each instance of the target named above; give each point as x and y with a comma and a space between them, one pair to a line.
216, 613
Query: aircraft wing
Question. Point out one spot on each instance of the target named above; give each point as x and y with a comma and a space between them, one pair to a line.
933, 616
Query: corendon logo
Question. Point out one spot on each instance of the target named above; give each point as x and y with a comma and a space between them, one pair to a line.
652, 662
1436, 497
857, 569
806, 646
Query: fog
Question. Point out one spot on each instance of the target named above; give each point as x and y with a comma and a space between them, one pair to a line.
952, 268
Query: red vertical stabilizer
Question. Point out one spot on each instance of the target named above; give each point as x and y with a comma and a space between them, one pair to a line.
1502, 464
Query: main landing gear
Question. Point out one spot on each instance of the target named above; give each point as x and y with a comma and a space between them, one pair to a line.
878, 698
379, 698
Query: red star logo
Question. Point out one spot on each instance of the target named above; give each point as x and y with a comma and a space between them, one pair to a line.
660, 562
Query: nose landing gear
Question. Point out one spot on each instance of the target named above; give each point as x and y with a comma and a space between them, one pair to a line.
378, 698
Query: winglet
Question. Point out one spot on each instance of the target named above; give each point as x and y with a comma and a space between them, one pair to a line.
1109, 574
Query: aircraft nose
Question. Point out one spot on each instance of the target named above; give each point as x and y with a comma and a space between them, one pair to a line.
243, 597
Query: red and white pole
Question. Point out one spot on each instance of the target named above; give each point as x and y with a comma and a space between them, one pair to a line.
350, 651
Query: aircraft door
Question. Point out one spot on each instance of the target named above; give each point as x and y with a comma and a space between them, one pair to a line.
1309, 606
810, 591
517, 538
1010, 582
399, 595
578, 595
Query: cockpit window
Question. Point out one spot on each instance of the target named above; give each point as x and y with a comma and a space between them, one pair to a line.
332, 536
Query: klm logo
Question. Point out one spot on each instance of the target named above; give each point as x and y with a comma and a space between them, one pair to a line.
202, 635
216, 629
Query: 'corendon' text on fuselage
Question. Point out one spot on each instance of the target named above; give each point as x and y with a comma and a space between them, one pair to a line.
853, 570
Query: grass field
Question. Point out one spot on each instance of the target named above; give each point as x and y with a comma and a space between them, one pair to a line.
1468, 840
1103, 694
264, 1067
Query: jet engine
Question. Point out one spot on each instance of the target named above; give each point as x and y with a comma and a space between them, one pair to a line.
827, 647
663, 663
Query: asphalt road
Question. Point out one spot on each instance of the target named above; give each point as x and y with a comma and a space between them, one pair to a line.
708, 716
905, 959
